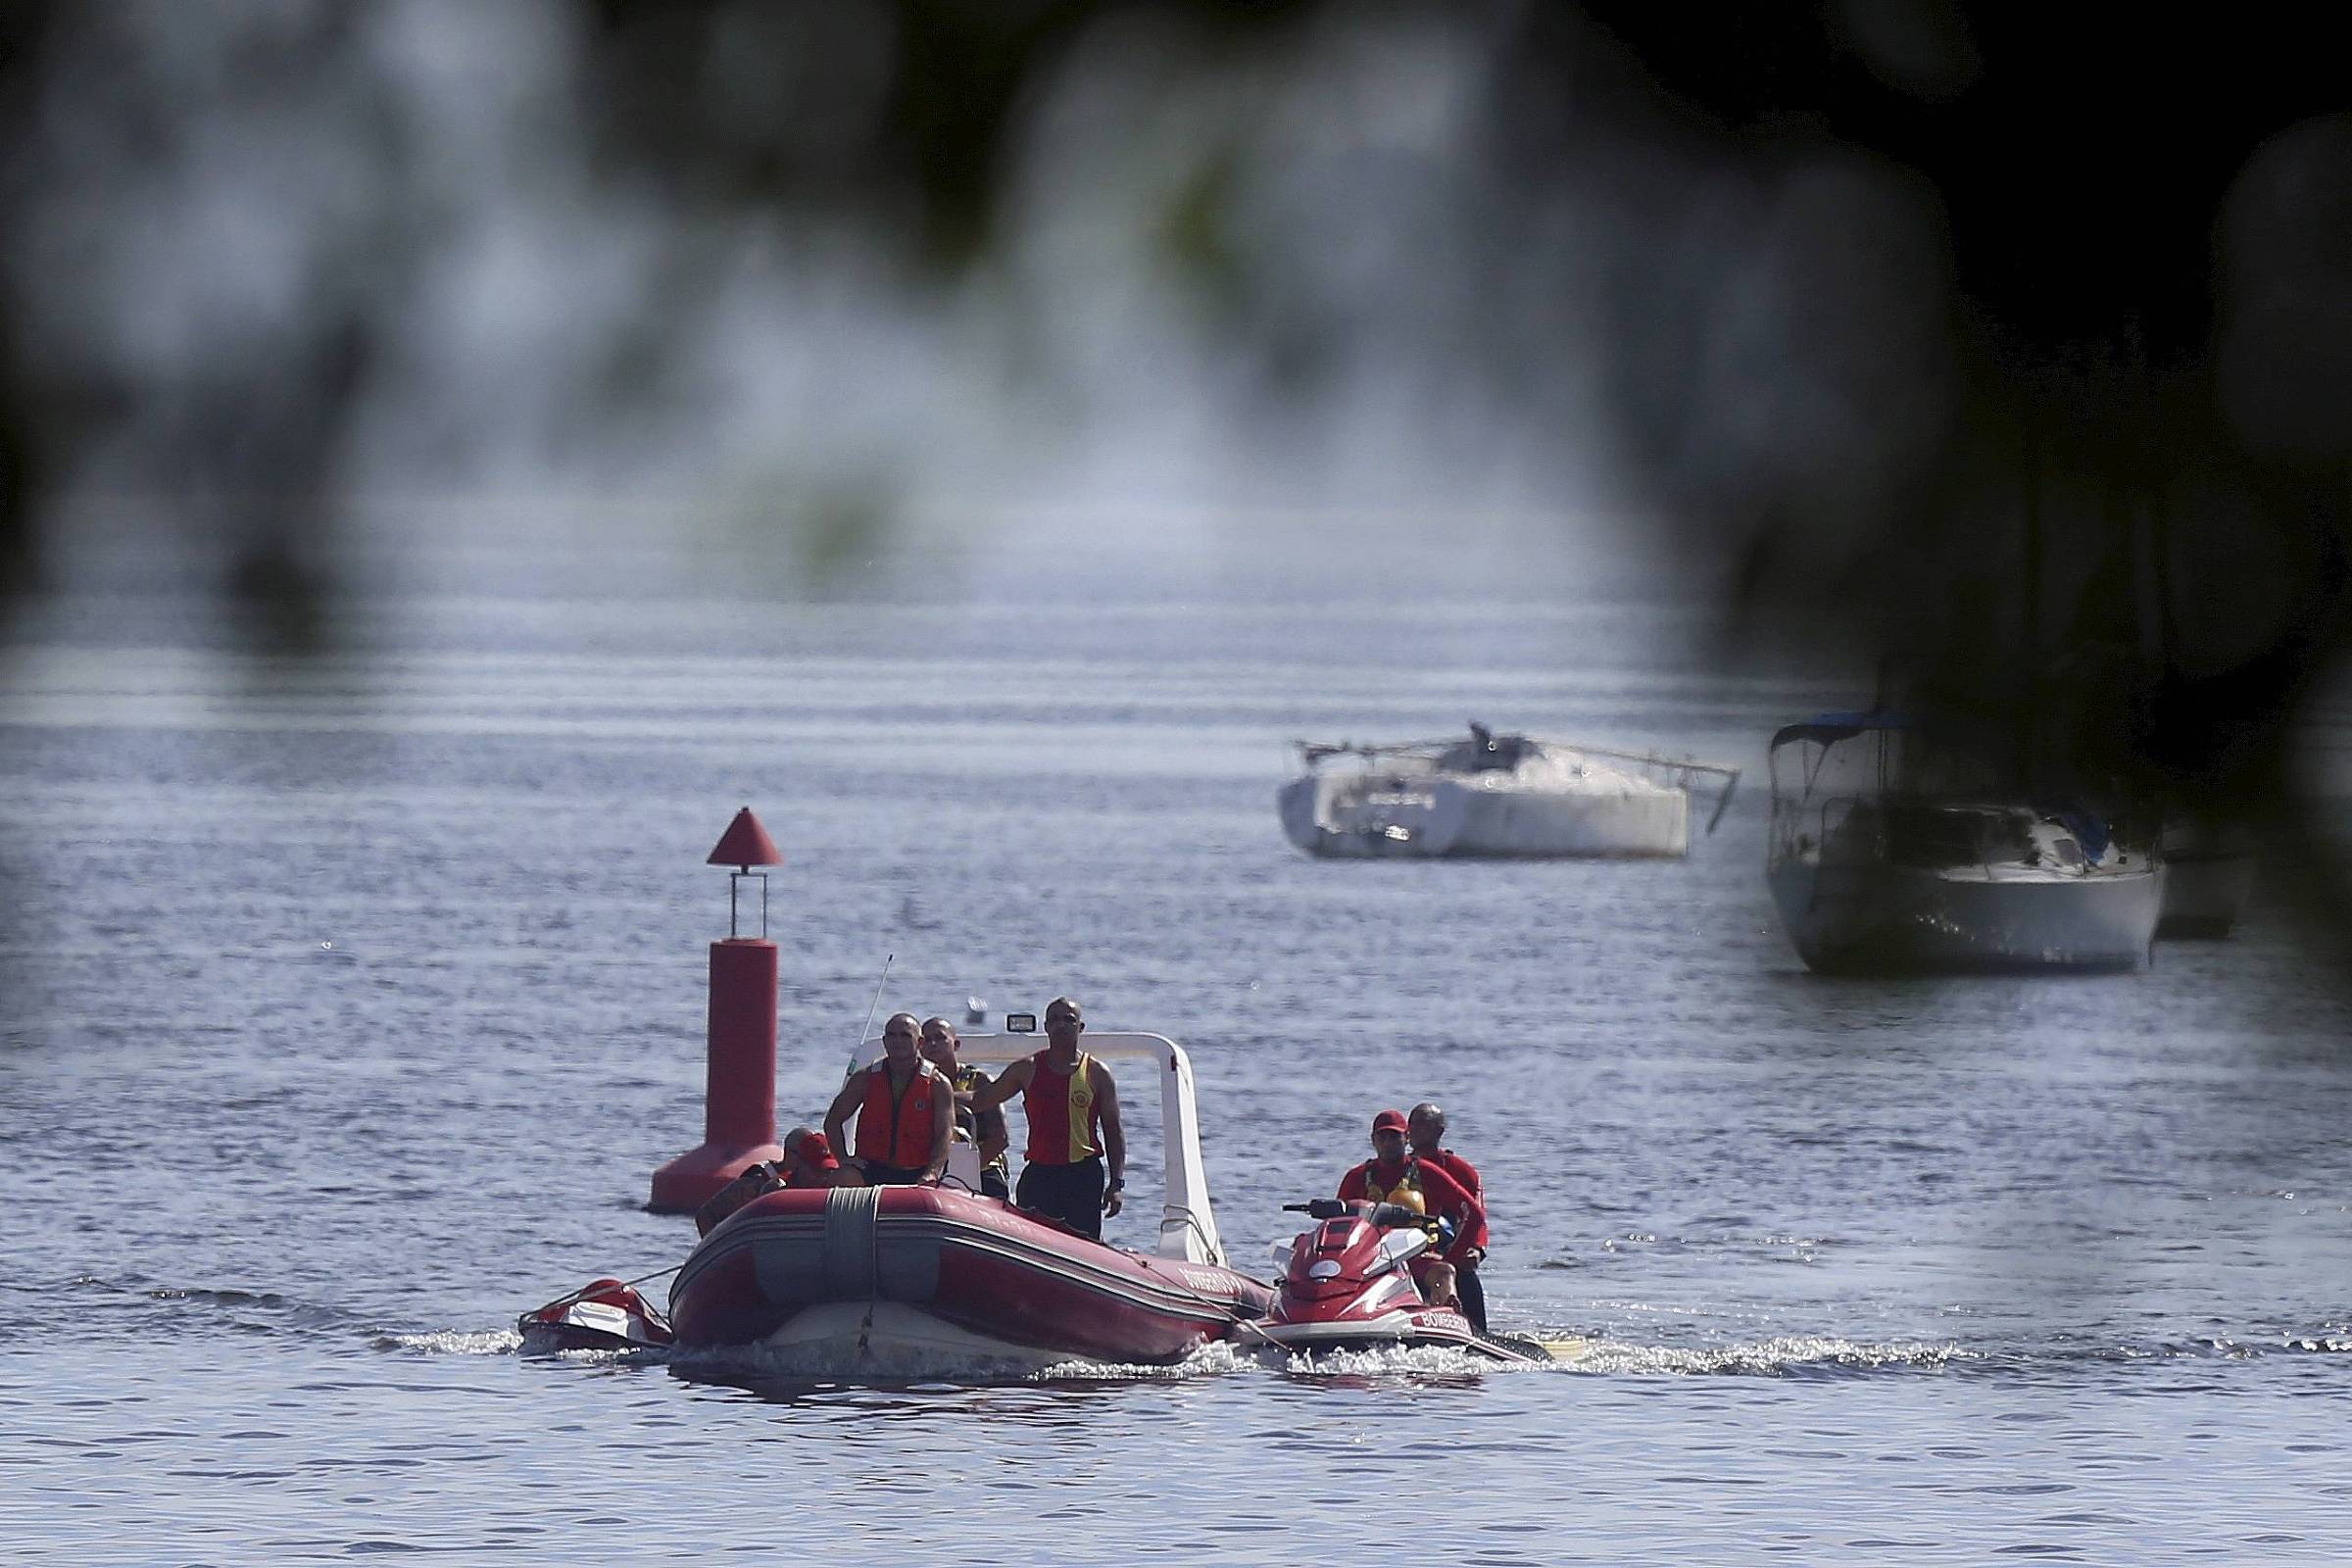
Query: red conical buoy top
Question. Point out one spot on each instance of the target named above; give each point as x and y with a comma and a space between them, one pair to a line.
745, 843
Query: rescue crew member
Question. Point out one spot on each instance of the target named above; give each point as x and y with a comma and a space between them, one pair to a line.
809, 1161
985, 1129
1073, 1114
1425, 1130
905, 1112
1393, 1176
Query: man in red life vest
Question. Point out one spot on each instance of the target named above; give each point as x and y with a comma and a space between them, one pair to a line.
1425, 1130
1393, 1176
1073, 1113
905, 1112
985, 1128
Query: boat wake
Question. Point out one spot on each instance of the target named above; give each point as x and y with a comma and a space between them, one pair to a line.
753, 1365
453, 1341
505, 1341
1585, 1356
1416, 1361
1782, 1355
1785, 1355
1211, 1360
2328, 1340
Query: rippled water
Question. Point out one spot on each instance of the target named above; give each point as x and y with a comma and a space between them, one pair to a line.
348, 1014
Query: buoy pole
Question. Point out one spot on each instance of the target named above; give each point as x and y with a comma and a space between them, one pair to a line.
739, 1088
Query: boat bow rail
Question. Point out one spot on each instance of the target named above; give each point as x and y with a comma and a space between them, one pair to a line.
1188, 1229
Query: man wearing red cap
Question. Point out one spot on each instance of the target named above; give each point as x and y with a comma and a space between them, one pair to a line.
809, 1161
1393, 1176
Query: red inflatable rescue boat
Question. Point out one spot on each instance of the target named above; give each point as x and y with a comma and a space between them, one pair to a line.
914, 1276
898, 1279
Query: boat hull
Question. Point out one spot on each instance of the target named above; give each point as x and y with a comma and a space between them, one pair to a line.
888, 1340
1364, 817
900, 1275
1880, 918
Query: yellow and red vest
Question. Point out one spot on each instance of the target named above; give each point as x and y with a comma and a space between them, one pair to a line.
967, 1079
1408, 1186
896, 1129
1061, 1113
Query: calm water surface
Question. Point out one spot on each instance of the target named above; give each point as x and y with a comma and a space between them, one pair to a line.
348, 1011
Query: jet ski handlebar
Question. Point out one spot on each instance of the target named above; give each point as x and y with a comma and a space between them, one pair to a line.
1385, 1215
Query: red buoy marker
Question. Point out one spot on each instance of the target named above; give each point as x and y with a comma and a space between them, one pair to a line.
739, 1097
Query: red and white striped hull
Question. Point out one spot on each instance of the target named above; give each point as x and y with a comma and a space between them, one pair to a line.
908, 1276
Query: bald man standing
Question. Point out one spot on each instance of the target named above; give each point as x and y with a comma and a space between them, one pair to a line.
1425, 1129
1073, 1113
905, 1112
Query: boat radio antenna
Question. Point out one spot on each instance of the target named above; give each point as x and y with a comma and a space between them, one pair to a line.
857, 1045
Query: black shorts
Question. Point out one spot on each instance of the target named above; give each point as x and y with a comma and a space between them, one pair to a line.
993, 1183
878, 1174
1070, 1193
1473, 1292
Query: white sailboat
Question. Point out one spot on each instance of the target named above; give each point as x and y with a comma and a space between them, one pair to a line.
1493, 795
1877, 866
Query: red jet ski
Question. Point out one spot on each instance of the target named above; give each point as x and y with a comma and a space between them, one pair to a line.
1355, 1282
601, 1315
